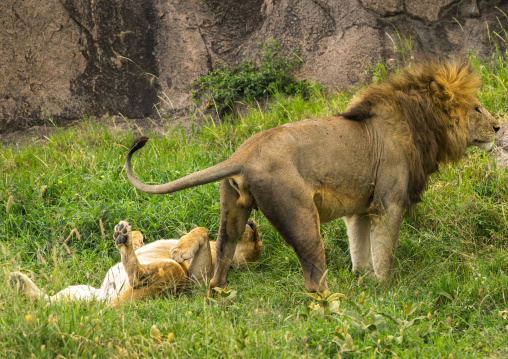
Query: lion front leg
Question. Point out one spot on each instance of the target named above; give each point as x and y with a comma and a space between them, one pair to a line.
124, 242
384, 236
358, 231
159, 277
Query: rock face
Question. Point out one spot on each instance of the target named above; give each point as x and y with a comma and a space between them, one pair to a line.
501, 148
61, 59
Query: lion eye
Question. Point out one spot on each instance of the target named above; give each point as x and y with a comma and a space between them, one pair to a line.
479, 110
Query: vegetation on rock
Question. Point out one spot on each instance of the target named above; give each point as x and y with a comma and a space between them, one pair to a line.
222, 87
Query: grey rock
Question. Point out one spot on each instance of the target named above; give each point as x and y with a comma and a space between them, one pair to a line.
61, 59
501, 147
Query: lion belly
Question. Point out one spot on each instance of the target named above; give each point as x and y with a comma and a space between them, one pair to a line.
156, 250
332, 205
117, 277
332, 158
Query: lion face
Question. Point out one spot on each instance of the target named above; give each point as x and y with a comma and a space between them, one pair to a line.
249, 247
482, 128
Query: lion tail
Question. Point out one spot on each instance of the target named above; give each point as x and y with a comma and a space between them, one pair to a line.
220, 171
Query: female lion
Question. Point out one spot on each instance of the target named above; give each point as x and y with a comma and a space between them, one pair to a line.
163, 267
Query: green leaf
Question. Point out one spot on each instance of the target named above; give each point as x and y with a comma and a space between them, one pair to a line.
334, 307
354, 305
352, 315
410, 308
368, 312
348, 343
411, 322
335, 296
314, 296
395, 320
224, 293
445, 294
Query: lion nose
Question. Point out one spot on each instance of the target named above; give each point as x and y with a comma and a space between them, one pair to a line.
251, 224
496, 128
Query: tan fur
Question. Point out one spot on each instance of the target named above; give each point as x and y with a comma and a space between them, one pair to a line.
161, 268
368, 165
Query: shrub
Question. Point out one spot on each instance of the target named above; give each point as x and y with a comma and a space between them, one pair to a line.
247, 81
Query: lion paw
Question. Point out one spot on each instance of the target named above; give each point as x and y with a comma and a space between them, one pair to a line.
122, 234
23, 285
189, 244
183, 251
18, 281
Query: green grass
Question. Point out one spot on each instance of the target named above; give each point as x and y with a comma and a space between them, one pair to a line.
451, 260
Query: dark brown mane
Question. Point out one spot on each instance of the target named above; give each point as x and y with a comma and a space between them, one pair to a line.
428, 105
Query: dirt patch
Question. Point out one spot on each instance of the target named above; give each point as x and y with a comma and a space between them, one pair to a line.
114, 124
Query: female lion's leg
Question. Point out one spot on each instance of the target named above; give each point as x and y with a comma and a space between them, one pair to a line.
194, 247
145, 280
24, 285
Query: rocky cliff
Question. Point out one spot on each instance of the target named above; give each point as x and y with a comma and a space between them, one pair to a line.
60, 59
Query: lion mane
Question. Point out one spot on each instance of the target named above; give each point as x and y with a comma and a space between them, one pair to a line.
427, 106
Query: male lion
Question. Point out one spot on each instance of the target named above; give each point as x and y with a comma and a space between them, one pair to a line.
160, 268
369, 165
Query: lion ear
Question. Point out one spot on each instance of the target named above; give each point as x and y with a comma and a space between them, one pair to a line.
440, 91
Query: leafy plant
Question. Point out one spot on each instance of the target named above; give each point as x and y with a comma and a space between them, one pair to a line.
224, 296
368, 322
247, 81
325, 303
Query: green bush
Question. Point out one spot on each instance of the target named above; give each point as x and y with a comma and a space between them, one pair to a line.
246, 81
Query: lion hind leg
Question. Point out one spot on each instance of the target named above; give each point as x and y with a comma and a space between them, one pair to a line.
24, 285
80, 292
358, 231
303, 235
195, 248
189, 244
296, 218
233, 219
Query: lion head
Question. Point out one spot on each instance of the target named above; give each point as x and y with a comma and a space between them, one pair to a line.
248, 249
434, 112
482, 128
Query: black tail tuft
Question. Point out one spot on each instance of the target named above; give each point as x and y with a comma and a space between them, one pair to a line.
138, 143
358, 112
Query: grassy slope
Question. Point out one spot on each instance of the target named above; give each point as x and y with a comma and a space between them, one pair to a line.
451, 258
